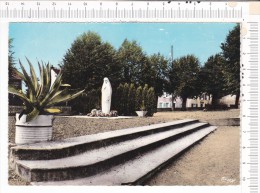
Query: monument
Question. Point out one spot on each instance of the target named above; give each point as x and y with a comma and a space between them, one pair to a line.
105, 102
106, 96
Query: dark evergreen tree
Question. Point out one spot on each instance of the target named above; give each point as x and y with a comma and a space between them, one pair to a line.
131, 99
138, 98
231, 69
145, 96
151, 102
11, 60
124, 99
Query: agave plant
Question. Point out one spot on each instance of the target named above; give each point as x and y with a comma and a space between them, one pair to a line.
42, 95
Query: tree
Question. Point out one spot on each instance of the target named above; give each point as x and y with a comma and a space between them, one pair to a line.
86, 64
144, 95
124, 99
132, 59
151, 102
88, 61
157, 76
11, 60
118, 99
184, 77
138, 98
131, 99
211, 78
231, 53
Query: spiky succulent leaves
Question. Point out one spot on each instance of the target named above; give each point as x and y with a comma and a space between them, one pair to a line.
28, 81
45, 82
33, 76
52, 111
32, 115
21, 95
54, 89
44, 95
63, 96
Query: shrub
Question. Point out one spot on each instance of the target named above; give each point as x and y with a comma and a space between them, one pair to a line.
138, 98
151, 102
124, 99
131, 99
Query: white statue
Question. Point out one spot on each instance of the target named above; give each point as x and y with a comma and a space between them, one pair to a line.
106, 96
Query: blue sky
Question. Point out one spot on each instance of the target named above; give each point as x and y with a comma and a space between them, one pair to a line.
48, 42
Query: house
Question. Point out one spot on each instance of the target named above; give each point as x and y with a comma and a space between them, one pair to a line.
165, 102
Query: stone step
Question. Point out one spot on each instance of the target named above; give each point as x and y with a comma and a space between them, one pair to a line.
76, 145
98, 160
142, 168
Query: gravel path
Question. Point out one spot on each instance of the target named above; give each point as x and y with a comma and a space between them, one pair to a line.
219, 167
214, 161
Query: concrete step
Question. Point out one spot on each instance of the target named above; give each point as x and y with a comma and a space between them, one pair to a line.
76, 145
143, 167
97, 160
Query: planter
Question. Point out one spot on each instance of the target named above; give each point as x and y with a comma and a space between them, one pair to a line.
37, 130
141, 113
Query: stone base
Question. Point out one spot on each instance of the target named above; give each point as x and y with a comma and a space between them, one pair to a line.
88, 117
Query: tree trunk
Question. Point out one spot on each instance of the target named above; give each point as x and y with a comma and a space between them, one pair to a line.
173, 105
184, 101
214, 101
237, 100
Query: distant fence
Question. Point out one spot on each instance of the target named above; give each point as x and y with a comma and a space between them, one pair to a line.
17, 109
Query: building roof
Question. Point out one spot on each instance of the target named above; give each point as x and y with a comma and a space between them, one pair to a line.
56, 70
15, 76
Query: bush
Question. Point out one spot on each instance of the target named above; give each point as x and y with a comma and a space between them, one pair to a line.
151, 102
124, 99
131, 100
138, 98
144, 95
118, 99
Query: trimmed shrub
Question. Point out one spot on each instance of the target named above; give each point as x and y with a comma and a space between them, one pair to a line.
131, 99
138, 98
124, 99
151, 102
118, 99
144, 95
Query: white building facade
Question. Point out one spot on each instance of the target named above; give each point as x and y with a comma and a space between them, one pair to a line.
165, 101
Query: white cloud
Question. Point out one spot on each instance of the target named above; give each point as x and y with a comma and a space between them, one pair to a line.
161, 29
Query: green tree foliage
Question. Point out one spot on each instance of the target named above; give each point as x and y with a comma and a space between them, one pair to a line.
231, 53
144, 95
158, 72
133, 61
131, 99
151, 102
184, 77
211, 78
11, 60
119, 105
87, 62
124, 99
138, 98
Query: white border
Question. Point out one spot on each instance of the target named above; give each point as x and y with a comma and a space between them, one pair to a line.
4, 104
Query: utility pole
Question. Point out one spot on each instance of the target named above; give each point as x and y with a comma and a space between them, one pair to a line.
172, 64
